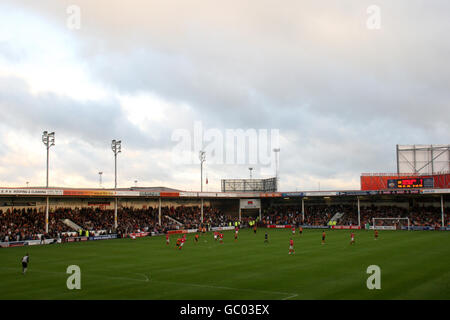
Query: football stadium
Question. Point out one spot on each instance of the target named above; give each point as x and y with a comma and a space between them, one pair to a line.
224, 159
160, 243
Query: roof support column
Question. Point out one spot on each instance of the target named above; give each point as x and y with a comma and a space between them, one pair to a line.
359, 213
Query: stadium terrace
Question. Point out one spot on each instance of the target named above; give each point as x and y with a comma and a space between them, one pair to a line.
153, 211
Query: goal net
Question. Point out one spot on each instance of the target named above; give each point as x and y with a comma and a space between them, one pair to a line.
390, 223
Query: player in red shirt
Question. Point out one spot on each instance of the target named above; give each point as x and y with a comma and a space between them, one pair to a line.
167, 239
178, 242
300, 230
323, 237
183, 240
196, 238
221, 237
352, 236
376, 234
291, 246
293, 230
236, 231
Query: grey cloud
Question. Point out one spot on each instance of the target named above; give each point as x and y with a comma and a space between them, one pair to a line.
342, 95
235, 59
95, 122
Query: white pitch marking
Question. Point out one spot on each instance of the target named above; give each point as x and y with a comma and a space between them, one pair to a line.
228, 288
170, 282
143, 274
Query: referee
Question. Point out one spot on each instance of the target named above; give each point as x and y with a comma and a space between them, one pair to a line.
25, 261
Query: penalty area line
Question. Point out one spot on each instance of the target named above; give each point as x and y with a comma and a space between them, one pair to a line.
290, 295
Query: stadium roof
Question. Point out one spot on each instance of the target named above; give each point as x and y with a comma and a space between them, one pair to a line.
172, 193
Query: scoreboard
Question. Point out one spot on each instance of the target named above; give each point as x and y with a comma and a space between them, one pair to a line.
410, 183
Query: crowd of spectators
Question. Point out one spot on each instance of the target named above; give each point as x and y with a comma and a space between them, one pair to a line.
29, 224
17, 225
320, 215
418, 216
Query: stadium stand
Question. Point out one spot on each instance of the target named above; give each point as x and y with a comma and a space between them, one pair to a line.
321, 215
28, 224
17, 225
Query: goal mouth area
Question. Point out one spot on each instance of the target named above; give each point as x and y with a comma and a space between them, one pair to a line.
396, 223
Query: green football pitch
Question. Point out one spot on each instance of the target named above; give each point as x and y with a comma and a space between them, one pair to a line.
413, 264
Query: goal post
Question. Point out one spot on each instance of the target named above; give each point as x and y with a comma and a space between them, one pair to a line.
388, 227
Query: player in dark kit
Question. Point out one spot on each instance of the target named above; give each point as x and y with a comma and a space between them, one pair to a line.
266, 238
254, 229
25, 261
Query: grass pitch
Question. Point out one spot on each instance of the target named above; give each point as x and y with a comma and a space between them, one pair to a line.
414, 265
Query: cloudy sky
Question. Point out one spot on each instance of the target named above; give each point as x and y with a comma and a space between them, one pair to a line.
343, 82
